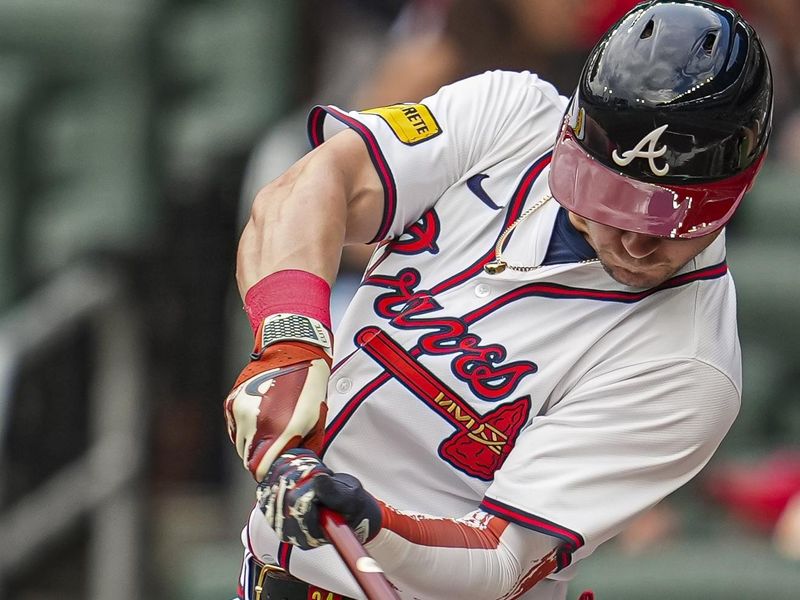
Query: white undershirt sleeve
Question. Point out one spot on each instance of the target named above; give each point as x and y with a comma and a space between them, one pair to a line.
479, 556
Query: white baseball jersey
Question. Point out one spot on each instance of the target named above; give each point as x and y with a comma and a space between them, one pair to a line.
557, 399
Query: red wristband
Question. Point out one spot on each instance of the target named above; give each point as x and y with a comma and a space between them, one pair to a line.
289, 291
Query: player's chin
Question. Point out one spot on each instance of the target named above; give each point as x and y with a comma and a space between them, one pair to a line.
640, 278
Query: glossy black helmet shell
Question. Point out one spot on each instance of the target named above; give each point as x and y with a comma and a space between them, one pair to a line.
670, 121
696, 66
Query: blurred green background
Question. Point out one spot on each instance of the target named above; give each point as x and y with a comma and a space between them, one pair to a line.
133, 135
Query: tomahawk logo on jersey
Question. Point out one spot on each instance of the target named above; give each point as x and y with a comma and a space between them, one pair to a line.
530, 395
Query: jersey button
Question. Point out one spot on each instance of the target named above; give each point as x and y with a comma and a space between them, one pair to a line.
482, 290
343, 385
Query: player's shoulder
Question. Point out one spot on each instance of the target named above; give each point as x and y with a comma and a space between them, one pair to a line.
520, 79
690, 318
516, 85
697, 317
517, 110
715, 333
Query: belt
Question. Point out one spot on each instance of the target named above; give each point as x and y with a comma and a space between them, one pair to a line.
271, 582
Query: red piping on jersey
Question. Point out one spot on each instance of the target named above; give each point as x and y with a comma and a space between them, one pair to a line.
514, 210
333, 428
384, 249
554, 290
344, 415
315, 124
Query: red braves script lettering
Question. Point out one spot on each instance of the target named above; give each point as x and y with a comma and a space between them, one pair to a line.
479, 366
419, 237
481, 443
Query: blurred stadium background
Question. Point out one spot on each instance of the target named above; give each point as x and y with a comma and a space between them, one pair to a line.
133, 135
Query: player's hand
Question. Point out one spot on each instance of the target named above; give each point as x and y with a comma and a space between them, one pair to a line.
278, 401
297, 484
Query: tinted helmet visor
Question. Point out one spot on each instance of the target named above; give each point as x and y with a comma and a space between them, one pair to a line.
585, 186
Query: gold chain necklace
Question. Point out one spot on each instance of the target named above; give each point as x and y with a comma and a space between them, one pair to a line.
498, 265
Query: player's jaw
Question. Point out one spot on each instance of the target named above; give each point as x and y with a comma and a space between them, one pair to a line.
636, 259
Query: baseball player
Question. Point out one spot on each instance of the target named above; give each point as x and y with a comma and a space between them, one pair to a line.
544, 344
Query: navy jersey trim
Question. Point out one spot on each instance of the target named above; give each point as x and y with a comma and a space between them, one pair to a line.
554, 290
572, 539
316, 120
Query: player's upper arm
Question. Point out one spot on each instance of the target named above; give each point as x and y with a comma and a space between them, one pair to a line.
338, 175
301, 219
419, 150
365, 193
344, 161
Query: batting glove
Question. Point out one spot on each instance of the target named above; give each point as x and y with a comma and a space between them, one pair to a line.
297, 484
278, 401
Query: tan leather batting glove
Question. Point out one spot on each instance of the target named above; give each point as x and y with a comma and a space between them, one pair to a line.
278, 400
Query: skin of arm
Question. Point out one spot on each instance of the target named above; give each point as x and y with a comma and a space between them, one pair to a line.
301, 220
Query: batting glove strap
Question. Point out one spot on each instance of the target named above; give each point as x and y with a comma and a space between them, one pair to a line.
288, 327
345, 495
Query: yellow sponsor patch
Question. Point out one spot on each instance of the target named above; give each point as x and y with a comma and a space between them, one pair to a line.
411, 123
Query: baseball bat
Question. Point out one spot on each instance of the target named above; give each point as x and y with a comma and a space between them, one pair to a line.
363, 567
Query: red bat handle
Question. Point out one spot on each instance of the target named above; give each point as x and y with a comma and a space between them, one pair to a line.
367, 572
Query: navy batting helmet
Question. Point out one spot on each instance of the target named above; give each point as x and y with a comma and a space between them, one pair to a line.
670, 121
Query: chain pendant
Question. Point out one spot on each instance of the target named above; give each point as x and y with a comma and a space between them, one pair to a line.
498, 265
495, 267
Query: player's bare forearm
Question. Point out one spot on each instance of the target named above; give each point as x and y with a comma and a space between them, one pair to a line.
288, 257
302, 219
